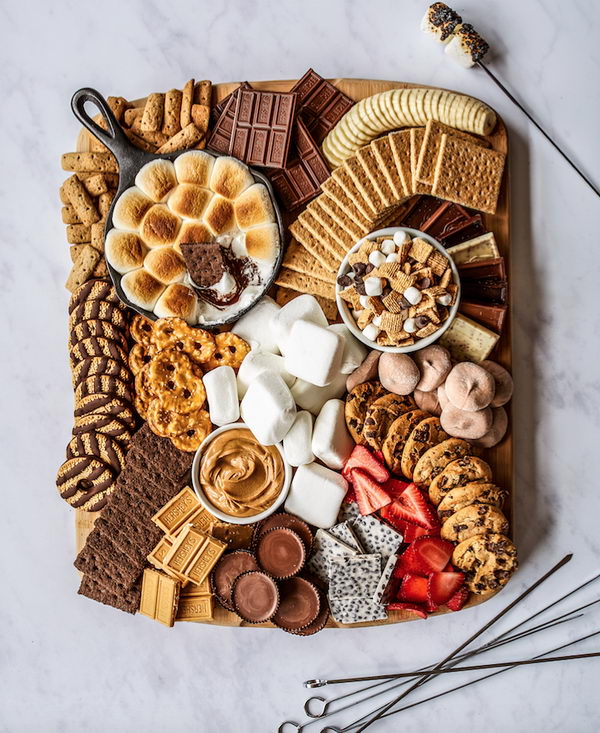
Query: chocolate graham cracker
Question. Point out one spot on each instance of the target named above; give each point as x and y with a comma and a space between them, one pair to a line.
205, 262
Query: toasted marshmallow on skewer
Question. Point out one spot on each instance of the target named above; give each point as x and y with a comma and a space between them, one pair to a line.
466, 46
440, 22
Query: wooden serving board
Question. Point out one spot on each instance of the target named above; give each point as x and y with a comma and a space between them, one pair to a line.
500, 457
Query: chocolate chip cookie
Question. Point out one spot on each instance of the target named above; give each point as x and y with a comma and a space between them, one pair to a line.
473, 520
425, 435
433, 461
458, 473
476, 492
381, 414
397, 436
487, 561
357, 404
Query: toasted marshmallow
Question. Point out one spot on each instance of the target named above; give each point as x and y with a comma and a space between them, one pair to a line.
230, 177
193, 232
165, 265
189, 200
440, 21
141, 288
130, 208
159, 227
156, 179
124, 250
262, 242
218, 216
254, 207
195, 166
466, 46
177, 301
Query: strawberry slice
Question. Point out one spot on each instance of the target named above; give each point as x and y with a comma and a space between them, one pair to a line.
411, 506
395, 487
413, 531
427, 555
414, 607
362, 458
369, 494
413, 588
350, 495
430, 606
442, 586
458, 600
379, 455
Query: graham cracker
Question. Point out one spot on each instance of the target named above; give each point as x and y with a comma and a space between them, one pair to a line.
339, 234
152, 117
82, 269
314, 246
315, 227
370, 164
348, 184
416, 140
357, 226
468, 174
183, 140
400, 146
431, 146
172, 115
385, 157
95, 162
364, 184
305, 283
284, 295
300, 260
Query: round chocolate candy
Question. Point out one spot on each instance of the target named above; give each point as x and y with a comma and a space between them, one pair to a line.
299, 605
280, 552
290, 521
230, 566
255, 597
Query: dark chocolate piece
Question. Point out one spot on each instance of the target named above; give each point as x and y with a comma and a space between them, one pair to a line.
205, 262
483, 269
488, 290
262, 127
321, 105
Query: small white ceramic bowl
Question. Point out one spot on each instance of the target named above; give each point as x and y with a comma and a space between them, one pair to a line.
346, 312
287, 479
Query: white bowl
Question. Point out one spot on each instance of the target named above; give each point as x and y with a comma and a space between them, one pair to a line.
346, 313
287, 479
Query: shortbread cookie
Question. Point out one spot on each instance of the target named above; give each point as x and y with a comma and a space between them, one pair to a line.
487, 561
94, 290
99, 445
473, 520
357, 403
105, 424
85, 482
397, 437
381, 414
104, 404
476, 492
458, 473
104, 384
100, 365
91, 310
424, 436
433, 461
96, 328
97, 346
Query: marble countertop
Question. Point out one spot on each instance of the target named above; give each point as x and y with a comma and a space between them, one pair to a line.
68, 664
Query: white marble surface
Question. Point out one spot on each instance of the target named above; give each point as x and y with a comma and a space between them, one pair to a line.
68, 664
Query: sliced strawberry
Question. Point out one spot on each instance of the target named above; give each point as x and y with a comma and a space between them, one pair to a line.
458, 600
411, 506
414, 607
442, 586
427, 555
362, 458
395, 487
413, 588
430, 606
400, 570
369, 494
350, 495
413, 531
379, 455
450, 568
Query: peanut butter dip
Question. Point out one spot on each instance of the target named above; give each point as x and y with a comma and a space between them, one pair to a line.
239, 476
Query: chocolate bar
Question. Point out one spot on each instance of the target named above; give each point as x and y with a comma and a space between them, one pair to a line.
193, 555
321, 105
447, 222
488, 290
262, 127
491, 316
484, 269
301, 179
217, 110
220, 138
173, 515
160, 597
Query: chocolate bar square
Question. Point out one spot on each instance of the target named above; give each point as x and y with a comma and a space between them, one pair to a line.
321, 105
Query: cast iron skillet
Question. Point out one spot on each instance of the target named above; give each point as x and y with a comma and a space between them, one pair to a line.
130, 159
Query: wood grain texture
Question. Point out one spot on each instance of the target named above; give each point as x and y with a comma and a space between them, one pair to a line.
500, 457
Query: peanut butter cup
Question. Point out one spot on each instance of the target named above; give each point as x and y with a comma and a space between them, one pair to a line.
280, 552
299, 605
255, 597
227, 570
289, 521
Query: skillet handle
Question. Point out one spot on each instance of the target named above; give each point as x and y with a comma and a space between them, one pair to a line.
114, 138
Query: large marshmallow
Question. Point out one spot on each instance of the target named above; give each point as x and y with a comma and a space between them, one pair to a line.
222, 395
256, 326
297, 443
354, 351
302, 308
316, 495
331, 442
312, 398
313, 353
268, 408
257, 362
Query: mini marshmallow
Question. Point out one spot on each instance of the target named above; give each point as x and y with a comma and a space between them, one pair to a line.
413, 295
401, 238
268, 409
364, 300
371, 332
376, 321
410, 325
302, 308
257, 362
312, 398
313, 353
297, 442
392, 258
388, 246
331, 441
356, 314
256, 326
354, 351
222, 395
373, 286
377, 258
316, 495
444, 299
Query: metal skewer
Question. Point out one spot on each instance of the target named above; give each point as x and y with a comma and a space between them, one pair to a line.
538, 126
